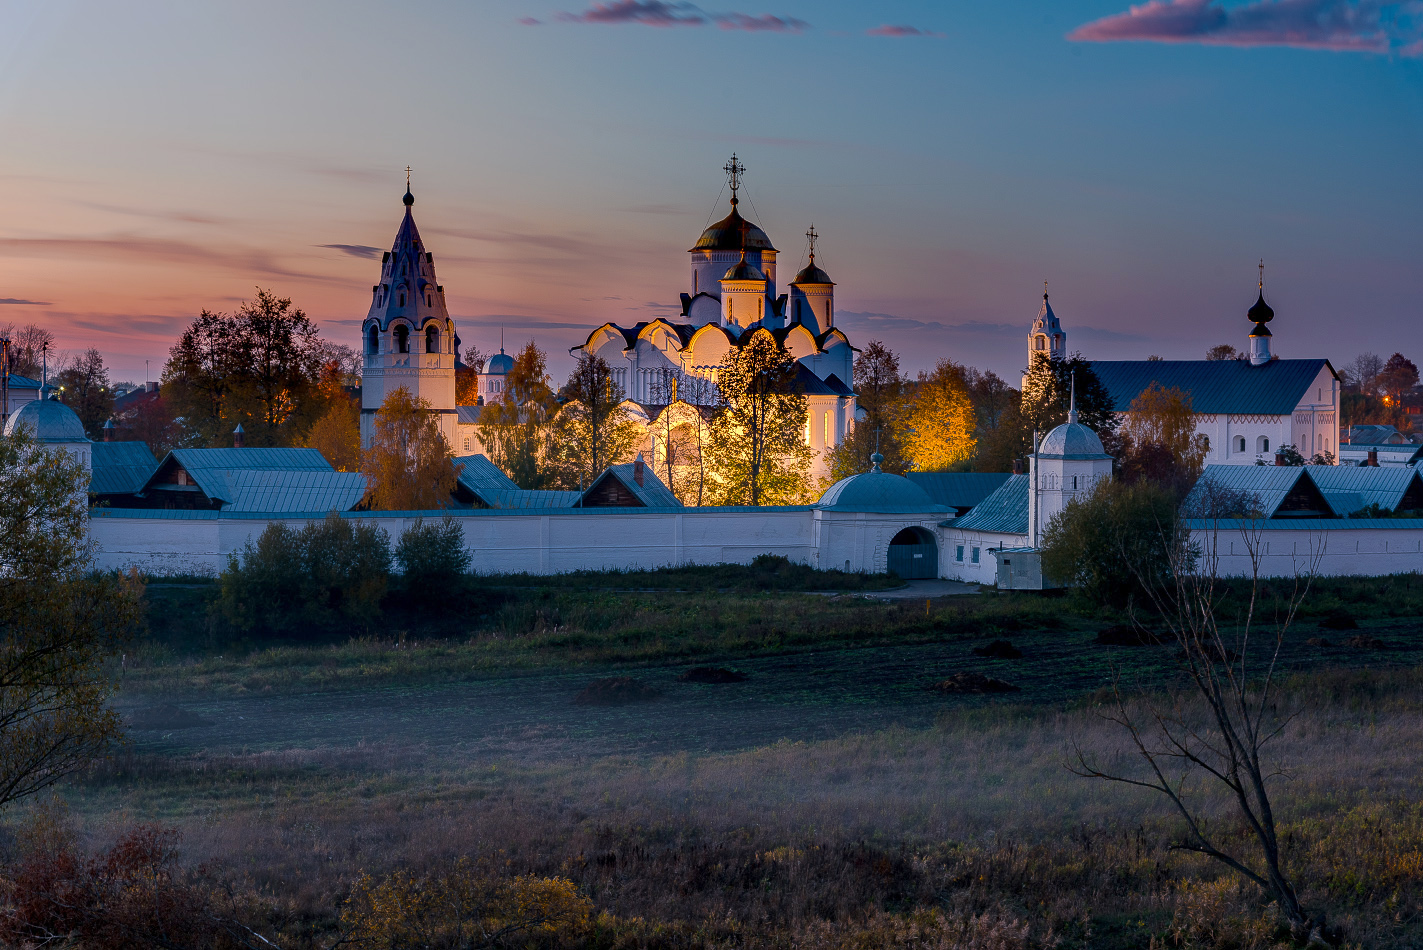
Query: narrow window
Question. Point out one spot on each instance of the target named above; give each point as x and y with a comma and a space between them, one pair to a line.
1074, 483
466, 443
1240, 443
828, 436
402, 339
1264, 444
827, 314
402, 298
372, 341
807, 428
958, 554
432, 340
695, 275
974, 555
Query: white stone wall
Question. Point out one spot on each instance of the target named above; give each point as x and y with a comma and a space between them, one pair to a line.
983, 572
1357, 550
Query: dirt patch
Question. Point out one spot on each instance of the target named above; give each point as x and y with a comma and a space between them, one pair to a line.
1363, 641
712, 674
615, 691
1339, 619
1126, 635
165, 717
973, 683
999, 650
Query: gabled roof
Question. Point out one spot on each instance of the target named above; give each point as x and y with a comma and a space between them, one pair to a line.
1358, 452
840, 388
1280, 491
293, 491
1349, 488
23, 382
1216, 386
120, 468
209, 467
468, 415
521, 498
652, 493
812, 385
959, 490
1003, 512
476, 472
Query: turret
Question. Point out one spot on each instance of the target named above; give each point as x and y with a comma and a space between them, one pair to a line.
812, 297
1260, 314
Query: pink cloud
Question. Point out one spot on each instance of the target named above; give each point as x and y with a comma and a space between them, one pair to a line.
891, 29
675, 13
1374, 26
530, 21
755, 24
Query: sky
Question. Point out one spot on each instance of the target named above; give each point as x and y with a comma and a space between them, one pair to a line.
161, 158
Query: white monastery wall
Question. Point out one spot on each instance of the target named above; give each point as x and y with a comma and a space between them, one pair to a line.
1340, 552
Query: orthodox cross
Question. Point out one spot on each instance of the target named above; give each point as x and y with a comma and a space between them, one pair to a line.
1262, 275
407, 177
734, 170
811, 236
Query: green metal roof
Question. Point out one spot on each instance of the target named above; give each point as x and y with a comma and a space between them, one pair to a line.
120, 468
1216, 386
1358, 487
961, 490
480, 474
286, 491
1003, 512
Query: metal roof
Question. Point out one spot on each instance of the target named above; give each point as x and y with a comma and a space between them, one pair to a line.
652, 493
518, 498
478, 473
1269, 484
1003, 512
961, 490
23, 382
1216, 386
211, 469
289, 491
171, 514
120, 468
468, 415
1301, 524
1357, 487
878, 492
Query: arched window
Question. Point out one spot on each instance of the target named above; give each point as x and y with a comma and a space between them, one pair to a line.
402, 298
372, 341
829, 429
1240, 443
828, 322
432, 339
427, 298
1262, 445
402, 339
1041, 343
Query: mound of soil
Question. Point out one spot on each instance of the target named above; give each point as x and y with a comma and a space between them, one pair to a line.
615, 691
712, 674
1318, 642
165, 717
1339, 619
973, 683
999, 650
1364, 641
1126, 635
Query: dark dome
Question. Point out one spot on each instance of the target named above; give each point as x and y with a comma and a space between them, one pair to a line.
810, 274
1261, 312
409, 199
499, 364
725, 235
744, 270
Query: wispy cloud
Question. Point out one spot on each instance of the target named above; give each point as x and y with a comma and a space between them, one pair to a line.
153, 251
23, 303
667, 13
185, 217
900, 29
1367, 26
355, 250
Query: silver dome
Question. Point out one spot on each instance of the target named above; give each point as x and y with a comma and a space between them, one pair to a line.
47, 420
1072, 440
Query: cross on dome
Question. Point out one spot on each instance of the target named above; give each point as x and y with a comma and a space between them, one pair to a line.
734, 170
811, 236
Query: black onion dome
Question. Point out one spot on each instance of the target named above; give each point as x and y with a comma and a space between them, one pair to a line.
409, 199
1261, 312
810, 274
725, 235
744, 270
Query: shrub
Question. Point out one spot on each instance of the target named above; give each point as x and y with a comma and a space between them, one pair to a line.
329, 573
433, 551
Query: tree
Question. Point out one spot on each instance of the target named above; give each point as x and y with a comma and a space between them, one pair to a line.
1223, 351
408, 464
1398, 378
149, 420
29, 346
757, 446
59, 620
84, 387
591, 430
433, 552
679, 434
1217, 726
1363, 373
259, 367
939, 430
882, 395
516, 430
1046, 393
337, 436
467, 376
1159, 439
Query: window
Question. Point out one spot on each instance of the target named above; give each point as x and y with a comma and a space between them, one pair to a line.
1040, 343
958, 554
402, 298
828, 323
432, 340
1240, 443
372, 341
973, 555
402, 339
1262, 445
1074, 483
829, 433
807, 428
427, 298
695, 275
466, 443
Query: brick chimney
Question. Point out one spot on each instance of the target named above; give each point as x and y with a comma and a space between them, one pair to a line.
238, 436
1018, 467
639, 469
109, 430
1279, 458
1373, 461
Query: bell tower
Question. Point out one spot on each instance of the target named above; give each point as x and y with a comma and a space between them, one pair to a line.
408, 338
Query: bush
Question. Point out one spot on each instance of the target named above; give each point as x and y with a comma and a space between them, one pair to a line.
329, 574
433, 551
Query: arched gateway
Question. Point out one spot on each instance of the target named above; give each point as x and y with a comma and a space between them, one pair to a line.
914, 554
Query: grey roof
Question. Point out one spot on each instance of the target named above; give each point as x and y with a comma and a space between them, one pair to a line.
1374, 434
1215, 386
499, 364
1003, 512
468, 415
1301, 524
1349, 488
294, 491
477, 473
1270, 484
210, 468
839, 387
120, 468
519, 498
1406, 453
877, 491
961, 490
47, 420
23, 382
652, 493
1072, 440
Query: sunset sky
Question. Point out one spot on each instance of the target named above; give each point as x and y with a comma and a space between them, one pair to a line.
160, 158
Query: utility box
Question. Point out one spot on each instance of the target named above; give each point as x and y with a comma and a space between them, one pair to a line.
1021, 569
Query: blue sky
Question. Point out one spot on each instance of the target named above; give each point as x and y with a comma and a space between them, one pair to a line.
159, 158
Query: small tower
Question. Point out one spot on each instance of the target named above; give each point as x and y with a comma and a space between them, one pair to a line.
1260, 314
408, 337
722, 246
744, 301
812, 298
1046, 336
1068, 463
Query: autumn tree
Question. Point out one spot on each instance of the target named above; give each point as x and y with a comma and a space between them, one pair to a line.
60, 621
1159, 439
939, 430
592, 430
1223, 351
1047, 391
149, 419
467, 376
408, 465
516, 430
337, 436
1000, 435
881, 393
83, 385
679, 433
1398, 377
757, 449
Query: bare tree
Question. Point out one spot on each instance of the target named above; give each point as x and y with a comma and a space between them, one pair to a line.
1364, 372
1212, 732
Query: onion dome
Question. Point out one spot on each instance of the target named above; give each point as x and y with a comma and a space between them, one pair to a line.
1261, 312
726, 235
409, 199
744, 270
47, 420
877, 491
811, 274
500, 364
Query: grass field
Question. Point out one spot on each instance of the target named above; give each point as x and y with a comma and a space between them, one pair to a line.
829, 799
